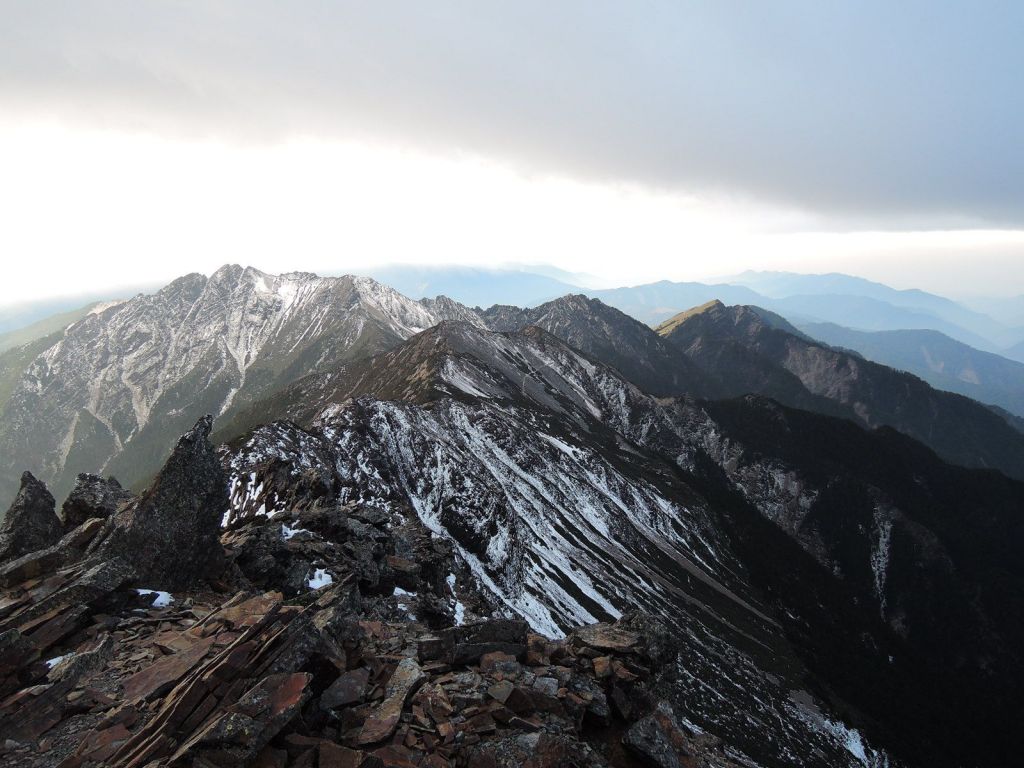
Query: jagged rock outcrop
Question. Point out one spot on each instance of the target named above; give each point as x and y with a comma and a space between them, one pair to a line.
171, 534
31, 522
92, 496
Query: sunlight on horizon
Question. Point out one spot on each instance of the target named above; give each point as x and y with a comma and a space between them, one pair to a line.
86, 210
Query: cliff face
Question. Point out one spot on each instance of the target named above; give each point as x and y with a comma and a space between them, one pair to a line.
112, 394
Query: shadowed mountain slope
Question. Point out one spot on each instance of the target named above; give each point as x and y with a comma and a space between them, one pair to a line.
755, 351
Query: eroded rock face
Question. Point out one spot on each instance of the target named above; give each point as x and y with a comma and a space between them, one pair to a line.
31, 522
92, 496
171, 534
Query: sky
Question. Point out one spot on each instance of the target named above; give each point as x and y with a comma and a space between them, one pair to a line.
633, 141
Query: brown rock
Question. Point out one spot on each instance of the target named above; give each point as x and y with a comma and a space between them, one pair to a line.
349, 688
162, 675
606, 637
336, 756
382, 721
519, 701
499, 661
271, 758
247, 727
500, 691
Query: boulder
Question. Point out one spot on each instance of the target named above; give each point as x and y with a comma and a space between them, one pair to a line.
171, 534
31, 522
467, 643
660, 739
92, 496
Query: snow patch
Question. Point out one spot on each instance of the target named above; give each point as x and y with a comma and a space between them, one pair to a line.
51, 663
287, 531
458, 608
163, 599
319, 579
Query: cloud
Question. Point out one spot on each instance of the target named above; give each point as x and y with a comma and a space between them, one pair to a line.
876, 115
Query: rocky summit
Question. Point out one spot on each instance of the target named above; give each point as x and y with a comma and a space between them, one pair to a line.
339, 666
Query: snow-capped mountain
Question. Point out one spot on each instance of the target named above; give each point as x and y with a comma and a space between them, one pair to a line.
500, 447
834, 595
570, 495
113, 392
615, 338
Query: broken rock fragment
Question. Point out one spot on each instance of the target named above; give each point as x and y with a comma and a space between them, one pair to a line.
382, 722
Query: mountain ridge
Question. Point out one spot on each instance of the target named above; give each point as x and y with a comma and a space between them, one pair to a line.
140, 371
755, 353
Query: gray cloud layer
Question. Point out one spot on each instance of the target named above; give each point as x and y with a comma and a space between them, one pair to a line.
880, 115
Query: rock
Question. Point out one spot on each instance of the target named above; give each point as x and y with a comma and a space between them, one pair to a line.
31, 522
248, 725
337, 756
44, 561
471, 641
535, 750
382, 721
606, 637
171, 534
498, 661
348, 689
161, 676
546, 685
16, 653
500, 691
659, 738
92, 496
38, 712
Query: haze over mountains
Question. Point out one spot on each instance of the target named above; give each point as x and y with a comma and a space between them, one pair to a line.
831, 544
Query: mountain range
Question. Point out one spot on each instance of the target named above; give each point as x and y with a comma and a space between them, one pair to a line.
113, 391
815, 548
832, 545
941, 361
838, 299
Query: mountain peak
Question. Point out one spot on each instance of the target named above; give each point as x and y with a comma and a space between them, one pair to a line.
676, 320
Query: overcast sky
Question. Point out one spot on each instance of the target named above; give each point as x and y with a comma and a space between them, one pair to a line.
633, 140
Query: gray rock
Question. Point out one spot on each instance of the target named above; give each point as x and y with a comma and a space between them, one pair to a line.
92, 496
660, 739
171, 534
31, 522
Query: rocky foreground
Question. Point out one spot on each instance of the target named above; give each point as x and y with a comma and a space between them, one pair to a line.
134, 632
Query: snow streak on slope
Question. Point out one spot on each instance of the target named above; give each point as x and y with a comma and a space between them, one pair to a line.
555, 532
114, 393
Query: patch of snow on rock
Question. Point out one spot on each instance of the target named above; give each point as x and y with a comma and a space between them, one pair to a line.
319, 579
163, 599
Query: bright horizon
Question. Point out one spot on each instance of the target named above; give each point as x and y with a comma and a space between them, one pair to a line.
135, 151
